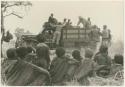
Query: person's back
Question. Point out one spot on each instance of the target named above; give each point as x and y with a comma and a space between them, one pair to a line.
59, 67
42, 59
85, 69
8, 63
21, 73
103, 59
105, 34
95, 34
26, 74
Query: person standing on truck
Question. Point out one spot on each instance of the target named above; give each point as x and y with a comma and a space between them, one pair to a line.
85, 22
57, 33
105, 36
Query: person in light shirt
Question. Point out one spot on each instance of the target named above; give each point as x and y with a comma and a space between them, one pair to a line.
57, 33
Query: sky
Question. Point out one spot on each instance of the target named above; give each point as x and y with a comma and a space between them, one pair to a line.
101, 13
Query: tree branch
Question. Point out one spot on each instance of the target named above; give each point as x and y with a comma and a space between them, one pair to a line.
13, 14
16, 4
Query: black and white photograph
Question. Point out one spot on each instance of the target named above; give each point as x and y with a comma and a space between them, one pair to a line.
62, 43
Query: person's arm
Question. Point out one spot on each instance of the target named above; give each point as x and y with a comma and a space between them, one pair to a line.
78, 22
53, 25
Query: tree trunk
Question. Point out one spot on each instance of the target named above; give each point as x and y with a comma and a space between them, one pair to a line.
2, 30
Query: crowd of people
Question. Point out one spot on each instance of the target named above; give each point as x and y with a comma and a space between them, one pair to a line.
28, 66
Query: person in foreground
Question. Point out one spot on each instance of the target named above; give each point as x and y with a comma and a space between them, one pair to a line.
22, 73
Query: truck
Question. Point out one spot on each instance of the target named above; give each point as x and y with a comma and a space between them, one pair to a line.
71, 37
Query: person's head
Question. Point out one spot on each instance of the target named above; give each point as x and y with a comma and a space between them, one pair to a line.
88, 53
51, 14
104, 26
88, 18
59, 23
70, 23
103, 49
29, 49
11, 53
76, 55
94, 26
60, 51
22, 52
40, 38
68, 20
43, 52
80, 17
118, 59
64, 19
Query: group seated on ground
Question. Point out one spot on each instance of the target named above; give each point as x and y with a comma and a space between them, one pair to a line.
26, 67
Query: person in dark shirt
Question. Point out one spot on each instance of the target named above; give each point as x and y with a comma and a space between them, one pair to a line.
51, 19
102, 58
22, 73
86, 68
21, 52
43, 58
59, 67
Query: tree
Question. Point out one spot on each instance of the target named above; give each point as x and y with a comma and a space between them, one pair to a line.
5, 7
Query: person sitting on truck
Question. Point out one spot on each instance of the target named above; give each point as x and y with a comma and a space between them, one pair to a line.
89, 20
64, 21
51, 19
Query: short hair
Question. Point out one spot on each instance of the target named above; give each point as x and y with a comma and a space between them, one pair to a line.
43, 52
88, 18
88, 53
21, 52
76, 55
118, 59
51, 14
59, 23
60, 51
103, 49
40, 38
65, 19
11, 53
104, 26
29, 49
